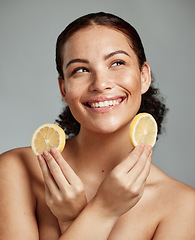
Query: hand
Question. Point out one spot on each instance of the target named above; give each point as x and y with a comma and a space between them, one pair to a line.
64, 191
124, 186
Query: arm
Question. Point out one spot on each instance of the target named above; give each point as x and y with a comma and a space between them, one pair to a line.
17, 216
92, 223
125, 184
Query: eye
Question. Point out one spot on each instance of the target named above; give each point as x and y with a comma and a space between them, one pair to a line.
118, 63
79, 70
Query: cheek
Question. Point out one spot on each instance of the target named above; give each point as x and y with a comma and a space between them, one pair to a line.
132, 85
72, 92
131, 82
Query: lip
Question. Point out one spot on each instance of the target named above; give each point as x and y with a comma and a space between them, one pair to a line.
88, 103
103, 99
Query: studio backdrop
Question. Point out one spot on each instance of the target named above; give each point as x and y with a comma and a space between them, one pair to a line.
29, 93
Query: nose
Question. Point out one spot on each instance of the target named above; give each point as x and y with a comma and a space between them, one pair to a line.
100, 82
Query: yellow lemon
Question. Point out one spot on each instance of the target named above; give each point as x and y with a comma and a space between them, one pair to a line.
143, 129
47, 136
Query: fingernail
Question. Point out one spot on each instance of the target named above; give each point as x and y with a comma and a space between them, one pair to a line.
142, 145
53, 150
40, 158
45, 153
149, 148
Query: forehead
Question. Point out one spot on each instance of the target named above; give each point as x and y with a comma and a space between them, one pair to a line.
96, 37
98, 29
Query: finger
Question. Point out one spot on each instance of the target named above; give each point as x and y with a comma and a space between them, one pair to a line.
55, 171
48, 178
142, 178
140, 182
130, 161
68, 172
47, 191
140, 165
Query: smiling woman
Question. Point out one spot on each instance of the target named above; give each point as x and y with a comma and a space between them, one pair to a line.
100, 186
108, 70
152, 101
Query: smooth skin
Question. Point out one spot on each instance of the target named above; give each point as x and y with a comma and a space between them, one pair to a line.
99, 187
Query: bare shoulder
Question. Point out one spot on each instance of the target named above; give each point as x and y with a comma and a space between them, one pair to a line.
19, 166
18, 170
17, 152
21, 159
176, 204
170, 189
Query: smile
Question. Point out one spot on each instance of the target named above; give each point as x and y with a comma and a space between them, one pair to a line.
104, 104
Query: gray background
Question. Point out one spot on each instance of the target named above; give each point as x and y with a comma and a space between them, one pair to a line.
29, 94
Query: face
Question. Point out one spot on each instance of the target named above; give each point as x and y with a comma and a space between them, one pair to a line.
103, 82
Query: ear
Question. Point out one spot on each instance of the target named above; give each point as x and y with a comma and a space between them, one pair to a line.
145, 78
61, 83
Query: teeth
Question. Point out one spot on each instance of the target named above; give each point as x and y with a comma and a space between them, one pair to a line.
104, 104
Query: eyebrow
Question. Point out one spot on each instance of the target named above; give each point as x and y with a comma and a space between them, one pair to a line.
75, 61
116, 52
106, 57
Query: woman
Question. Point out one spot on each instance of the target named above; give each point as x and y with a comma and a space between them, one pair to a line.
99, 187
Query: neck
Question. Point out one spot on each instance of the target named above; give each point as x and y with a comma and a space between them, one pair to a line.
102, 152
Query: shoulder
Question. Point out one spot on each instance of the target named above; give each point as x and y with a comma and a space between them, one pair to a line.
18, 154
17, 186
176, 205
181, 198
20, 175
171, 190
19, 162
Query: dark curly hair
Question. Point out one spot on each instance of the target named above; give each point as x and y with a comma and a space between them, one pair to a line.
152, 102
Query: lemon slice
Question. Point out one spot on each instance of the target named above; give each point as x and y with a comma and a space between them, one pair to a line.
47, 136
143, 129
